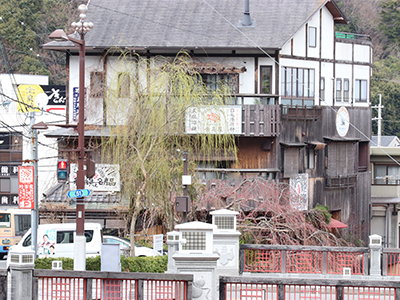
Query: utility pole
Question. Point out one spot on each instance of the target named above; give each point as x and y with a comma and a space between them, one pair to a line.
185, 187
35, 159
34, 211
379, 118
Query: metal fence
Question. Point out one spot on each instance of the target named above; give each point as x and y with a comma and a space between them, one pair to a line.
303, 259
263, 288
74, 285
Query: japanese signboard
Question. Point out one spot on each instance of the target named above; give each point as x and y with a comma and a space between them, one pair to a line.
106, 178
33, 97
299, 186
26, 187
75, 104
214, 120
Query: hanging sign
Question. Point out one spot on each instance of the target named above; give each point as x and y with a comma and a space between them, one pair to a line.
26, 189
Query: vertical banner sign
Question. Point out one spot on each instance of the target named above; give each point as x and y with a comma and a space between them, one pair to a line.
26, 187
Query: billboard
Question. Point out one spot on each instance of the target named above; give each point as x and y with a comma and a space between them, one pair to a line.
34, 97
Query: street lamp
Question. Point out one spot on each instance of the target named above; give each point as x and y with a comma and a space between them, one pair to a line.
81, 27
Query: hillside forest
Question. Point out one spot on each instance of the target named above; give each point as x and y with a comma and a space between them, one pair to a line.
26, 24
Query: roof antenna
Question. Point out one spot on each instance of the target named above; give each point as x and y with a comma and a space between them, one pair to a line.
246, 21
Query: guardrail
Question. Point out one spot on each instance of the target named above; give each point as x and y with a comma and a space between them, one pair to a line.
303, 259
391, 262
88, 285
245, 287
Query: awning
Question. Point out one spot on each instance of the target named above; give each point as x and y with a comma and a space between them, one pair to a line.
336, 224
294, 144
317, 145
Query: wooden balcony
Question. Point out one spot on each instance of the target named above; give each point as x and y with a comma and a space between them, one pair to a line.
261, 120
301, 113
344, 181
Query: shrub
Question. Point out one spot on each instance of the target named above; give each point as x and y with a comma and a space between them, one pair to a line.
156, 264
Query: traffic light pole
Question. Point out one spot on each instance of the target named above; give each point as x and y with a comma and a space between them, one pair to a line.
80, 242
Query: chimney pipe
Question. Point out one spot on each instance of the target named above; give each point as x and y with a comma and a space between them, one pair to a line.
246, 21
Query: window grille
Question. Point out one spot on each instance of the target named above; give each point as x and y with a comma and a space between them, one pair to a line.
225, 222
195, 240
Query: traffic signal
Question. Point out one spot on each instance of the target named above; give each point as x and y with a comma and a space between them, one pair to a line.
62, 170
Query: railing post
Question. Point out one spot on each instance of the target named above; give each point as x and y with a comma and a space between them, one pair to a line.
140, 295
88, 287
3, 287
397, 296
189, 292
324, 262
35, 288
281, 292
339, 292
241, 260
283, 261
222, 290
385, 264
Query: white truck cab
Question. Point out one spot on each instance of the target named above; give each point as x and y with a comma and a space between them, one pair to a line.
57, 240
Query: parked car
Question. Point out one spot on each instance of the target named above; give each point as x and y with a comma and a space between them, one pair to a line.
125, 246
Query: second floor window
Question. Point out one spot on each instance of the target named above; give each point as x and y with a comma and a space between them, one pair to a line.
265, 79
124, 85
312, 39
97, 84
297, 86
361, 90
339, 90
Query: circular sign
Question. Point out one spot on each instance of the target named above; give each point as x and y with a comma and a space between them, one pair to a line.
342, 121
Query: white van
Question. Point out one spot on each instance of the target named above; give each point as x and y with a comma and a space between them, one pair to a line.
57, 240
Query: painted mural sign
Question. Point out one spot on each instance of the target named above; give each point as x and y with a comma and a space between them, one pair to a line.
299, 185
106, 179
214, 120
34, 97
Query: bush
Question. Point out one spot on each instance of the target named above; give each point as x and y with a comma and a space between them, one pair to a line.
156, 264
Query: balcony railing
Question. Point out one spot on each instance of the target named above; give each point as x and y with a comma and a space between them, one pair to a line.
344, 181
301, 112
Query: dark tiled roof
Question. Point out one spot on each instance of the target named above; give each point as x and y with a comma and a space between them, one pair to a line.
385, 140
196, 23
59, 193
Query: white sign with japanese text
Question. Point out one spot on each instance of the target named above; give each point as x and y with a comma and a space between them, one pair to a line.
106, 179
214, 120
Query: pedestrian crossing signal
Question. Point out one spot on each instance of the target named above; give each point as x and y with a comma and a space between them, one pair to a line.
62, 170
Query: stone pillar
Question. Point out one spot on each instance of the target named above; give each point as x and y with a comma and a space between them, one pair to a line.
22, 265
375, 245
196, 257
173, 247
226, 241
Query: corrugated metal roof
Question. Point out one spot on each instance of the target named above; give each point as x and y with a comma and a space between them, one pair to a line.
196, 24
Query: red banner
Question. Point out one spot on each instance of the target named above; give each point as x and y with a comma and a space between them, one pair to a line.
26, 187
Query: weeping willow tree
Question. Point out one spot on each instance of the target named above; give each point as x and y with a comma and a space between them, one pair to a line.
147, 109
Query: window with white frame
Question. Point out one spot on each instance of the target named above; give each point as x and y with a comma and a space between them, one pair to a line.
346, 90
297, 86
322, 89
361, 90
312, 38
338, 90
